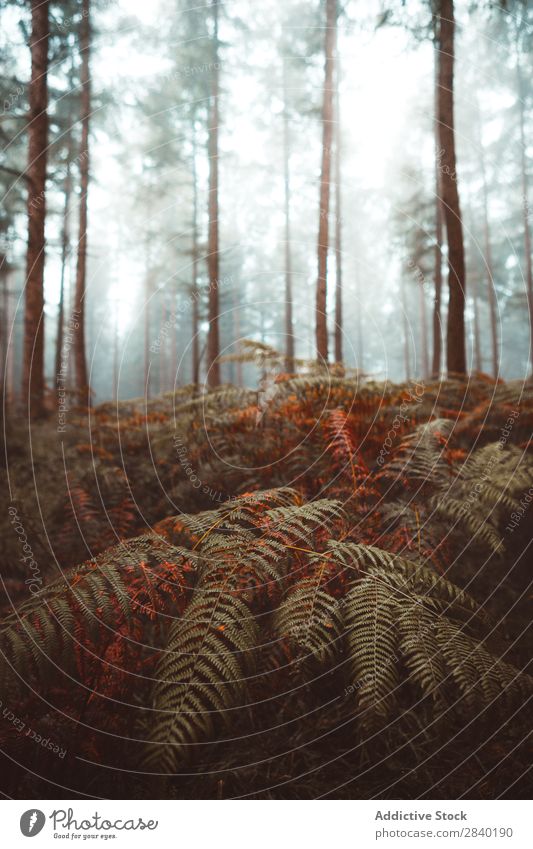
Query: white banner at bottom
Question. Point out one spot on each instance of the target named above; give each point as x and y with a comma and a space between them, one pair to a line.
267, 825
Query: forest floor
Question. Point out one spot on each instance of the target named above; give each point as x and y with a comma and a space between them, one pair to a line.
322, 589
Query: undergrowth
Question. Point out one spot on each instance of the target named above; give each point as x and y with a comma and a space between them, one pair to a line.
320, 594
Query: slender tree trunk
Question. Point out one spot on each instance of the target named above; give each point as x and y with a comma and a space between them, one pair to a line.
289, 331
213, 338
325, 178
358, 300
525, 203
423, 330
4, 325
65, 249
477, 338
147, 315
437, 303
195, 341
338, 218
489, 267
235, 301
406, 357
80, 361
33, 369
455, 341
115, 354
146, 387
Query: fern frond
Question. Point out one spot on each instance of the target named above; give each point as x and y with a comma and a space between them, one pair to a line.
370, 614
201, 677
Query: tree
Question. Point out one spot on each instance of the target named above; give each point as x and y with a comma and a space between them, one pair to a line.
213, 338
325, 178
289, 330
455, 338
33, 370
65, 249
338, 217
195, 294
489, 266
80, 362
437, 320
526, 213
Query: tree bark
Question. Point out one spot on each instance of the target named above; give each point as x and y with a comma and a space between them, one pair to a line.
455, 341
195, 341
358, 300
325, 177
423, 330
80, 361
406, 357
213, 338
477, 338
525, 204
338, 218
147, 305
33, 368
489, 267
437, 303
289, 331
65, 249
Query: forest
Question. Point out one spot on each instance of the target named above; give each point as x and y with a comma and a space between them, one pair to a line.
266, 346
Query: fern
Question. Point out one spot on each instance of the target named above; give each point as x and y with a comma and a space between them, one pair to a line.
201, 677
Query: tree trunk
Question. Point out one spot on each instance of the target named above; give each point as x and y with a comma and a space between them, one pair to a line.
437, 304
4, 325
358, 300
489, 268
115, 354
525, 204
423, 330
289, 331
82, 383
477, 338
455, 341
33, 369
323, 228
338, 218
490, 273
195, 341
65, 249
406, 357
146, 387
213, 338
